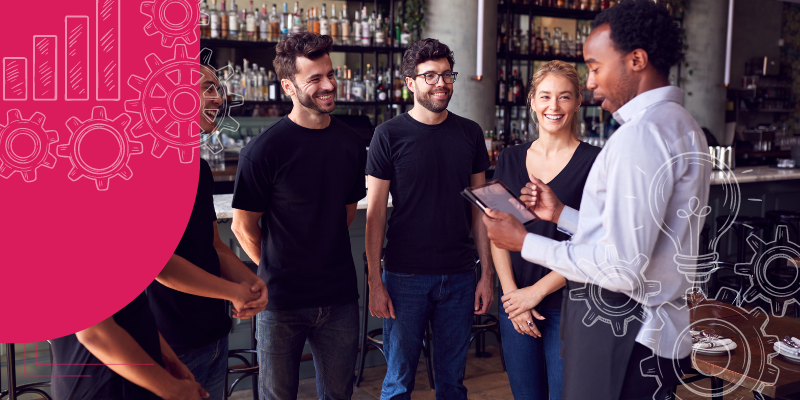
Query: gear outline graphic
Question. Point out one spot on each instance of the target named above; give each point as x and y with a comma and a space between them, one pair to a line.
649, 367
226, 123
99, 121
617, 317
43, 141
169, 126
755, 270
170, 32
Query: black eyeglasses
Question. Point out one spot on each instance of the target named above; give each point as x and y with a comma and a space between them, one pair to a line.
433, 78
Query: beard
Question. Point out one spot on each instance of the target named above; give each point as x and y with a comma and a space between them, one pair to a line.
308, 100
431, 104
623, 92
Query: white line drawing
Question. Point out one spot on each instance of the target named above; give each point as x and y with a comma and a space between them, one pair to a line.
172, 124
76, 58
18, 156
618, 316
99, 123
694, 263
170, 30
15, 79
225, 123
108, 50
760, 283
45, 68
759, 360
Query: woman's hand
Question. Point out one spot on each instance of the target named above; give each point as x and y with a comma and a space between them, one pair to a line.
524, 324
522, 300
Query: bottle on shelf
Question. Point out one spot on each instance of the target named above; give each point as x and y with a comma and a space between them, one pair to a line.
286, 21
556, 45
348, 86
365, 28
405, 36
263, 24
233, 22
382, 91
250, 23
243, 25
264, 81
205, 28
324, 27
565, 45
539, 46
405, 93
515, 45
274, 87
309, 20
339, 83
303, 20
345, 23
223, 21
380, 34
501, 89
358, 87
334, 23
518, 90
369, 84
397, 85
356, 30
274, 24
214, 21
546, 48
578, 44
315, 17
297, 23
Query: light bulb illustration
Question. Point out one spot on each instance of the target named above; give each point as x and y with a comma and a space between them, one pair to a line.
694, 262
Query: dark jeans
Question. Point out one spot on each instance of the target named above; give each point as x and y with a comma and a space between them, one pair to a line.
209, 366
534, 365
447, 301
332, 333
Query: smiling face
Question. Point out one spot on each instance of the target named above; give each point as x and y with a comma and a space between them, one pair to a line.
434, 98
608, 71
556, 102
314, 84
211, 98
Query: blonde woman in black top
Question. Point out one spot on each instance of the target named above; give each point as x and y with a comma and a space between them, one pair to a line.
532, 294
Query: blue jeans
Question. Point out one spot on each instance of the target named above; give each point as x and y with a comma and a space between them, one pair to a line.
447, 301
209, 366
534, 365
332, 333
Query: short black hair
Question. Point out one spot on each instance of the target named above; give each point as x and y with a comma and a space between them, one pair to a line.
302, 44
422, 51
642, 24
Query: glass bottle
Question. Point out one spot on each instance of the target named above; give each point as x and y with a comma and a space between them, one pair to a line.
233, 22
334, 22
546, 50
274, 24
315, 16
357, 87
369, 84
345, 22
356, 30
205, 28
324, 27
501, 89
365, 28
286, 21
556, 45
214, 21
223, 21
250, 23
382, 92
380, 35
297, 23
405, 36
397, 86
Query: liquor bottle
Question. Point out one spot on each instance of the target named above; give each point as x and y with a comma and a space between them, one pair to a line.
274, 87
303, 20
315, 16
243, 24
382, 91
250, 23
578, 44
348, 86
373, 23
539, 44
398, 31
556, 45
340, 75
524, 41
286, 21
274, 24
223, 21
501, 89
357, 87
233, 22
397, 86
380, 35
515, 42
345, 22
265, 77
214, 21
205, 28
584, 5
324, 28
297, 23
547, 49
565, 47
405, 36
369, 84
365, 28
334, 22
356, 30
263, 24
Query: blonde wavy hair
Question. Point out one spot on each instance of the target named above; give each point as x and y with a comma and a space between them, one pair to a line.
559, 68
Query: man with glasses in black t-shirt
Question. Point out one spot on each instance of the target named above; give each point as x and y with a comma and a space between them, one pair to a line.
302, 179
425, 158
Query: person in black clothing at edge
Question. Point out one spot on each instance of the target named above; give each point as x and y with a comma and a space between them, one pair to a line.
188, 298
530, 319
302, 179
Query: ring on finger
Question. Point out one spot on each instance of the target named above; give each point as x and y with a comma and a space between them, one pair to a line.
530, 324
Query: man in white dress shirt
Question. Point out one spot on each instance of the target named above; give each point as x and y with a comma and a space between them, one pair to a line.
629, 54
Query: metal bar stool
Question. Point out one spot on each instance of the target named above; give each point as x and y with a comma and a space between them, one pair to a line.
370, 339
485, 323
12, 380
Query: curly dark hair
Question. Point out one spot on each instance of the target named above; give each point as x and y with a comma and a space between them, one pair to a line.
424, 50
302, 44
642, 24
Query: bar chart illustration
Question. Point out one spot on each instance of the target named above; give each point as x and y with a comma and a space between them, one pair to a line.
45, 68
76, 61
108, 50
15, 79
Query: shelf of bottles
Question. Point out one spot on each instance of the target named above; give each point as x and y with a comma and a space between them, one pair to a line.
377, 92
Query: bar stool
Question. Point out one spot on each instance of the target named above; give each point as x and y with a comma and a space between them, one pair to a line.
788, 218
248, 368
782, 272
485, 323
743, 226
370, 339
30, 388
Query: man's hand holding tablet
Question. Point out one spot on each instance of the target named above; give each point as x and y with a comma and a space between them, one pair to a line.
497, 196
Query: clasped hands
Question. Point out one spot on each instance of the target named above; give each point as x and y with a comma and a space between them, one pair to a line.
506, 232
251, 299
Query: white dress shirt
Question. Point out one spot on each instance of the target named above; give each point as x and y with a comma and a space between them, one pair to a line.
655, 143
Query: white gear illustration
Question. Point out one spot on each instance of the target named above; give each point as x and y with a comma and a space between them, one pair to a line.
614, 268
759, 360
760, 285
225, 123
33, 130
99, 122
170, 31
170, 125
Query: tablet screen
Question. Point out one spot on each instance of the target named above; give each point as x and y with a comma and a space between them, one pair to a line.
496, 196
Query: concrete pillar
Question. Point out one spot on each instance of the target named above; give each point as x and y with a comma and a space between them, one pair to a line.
454, 23
706, 24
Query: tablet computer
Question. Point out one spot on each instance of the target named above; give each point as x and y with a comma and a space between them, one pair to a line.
497, 196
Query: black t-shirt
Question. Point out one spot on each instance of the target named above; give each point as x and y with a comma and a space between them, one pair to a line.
186, 321
428, 166
568, 187
301, 179
135, 318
